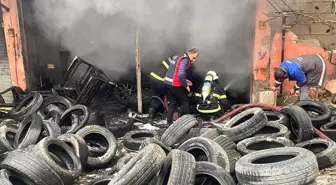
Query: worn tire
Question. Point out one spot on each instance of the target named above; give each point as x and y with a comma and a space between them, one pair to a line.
179, 167
103, 134
50, 129
204, 170
9, 122
134, 139
7, 140
155, 141
200, 147
30, 167
329, 129
300, 123
78, 145
53, 116
118, 126
256, 120
225, 142
141, 168
28, 132
59, 101
298, 166
29, 105
4, 178
178, 129
100, 181
277, 117
82, 122
324, 150
273, 129
321, 108
257, 143
60, 157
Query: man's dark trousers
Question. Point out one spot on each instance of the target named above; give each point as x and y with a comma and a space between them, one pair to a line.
159, 89
177, 96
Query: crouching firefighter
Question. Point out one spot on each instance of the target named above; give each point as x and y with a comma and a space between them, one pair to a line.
307, 70
212, 99
158, 86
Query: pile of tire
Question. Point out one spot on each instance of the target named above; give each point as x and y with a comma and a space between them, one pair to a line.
50, 141
256, 146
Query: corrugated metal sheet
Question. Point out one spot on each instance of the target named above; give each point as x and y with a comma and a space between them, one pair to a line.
5, 75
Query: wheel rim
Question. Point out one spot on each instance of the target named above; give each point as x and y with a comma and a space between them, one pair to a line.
123, 91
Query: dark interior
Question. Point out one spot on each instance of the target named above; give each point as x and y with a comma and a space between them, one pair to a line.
268, 130
96, 142
316, 147
242, 120
273, 159
264, 145
61, 156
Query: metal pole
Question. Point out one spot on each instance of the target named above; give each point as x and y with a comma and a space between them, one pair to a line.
138, 70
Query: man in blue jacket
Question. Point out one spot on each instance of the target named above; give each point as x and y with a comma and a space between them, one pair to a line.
178, 85
307, 70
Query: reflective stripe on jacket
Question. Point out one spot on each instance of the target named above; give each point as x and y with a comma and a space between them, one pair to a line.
177, 71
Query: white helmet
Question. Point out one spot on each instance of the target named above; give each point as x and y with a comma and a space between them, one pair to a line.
213, 74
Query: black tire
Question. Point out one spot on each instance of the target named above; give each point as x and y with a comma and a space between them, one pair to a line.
179, 167
277, 117
300, 123
211, 133
217, 174
4, 178
203, 148
81, 111
324, 150
245, 124
178, 129
61, 102
100, 181
155, 141
142, 167
257, 143
329, 129
225, 142
9, 122
273, 129
78, 145
289, 165
96, 118
54, 116
30, 167
134, 139
60, 157
7, 136
324, 113
50, 129
101, 134
28, 132
124, 160
29, 105
119, 126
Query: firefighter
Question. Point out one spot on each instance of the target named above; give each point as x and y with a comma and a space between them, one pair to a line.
158, 87
307, 70
212, 99
177, 83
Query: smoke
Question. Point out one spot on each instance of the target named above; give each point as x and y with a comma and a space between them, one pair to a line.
103, 32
